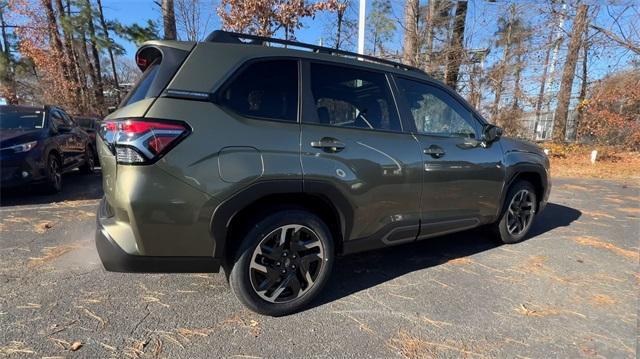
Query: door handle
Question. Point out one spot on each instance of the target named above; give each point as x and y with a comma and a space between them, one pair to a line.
328, 144
434, 151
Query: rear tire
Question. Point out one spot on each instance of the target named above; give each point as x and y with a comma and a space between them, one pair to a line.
89, 161
518, 213
54, 175
283, 262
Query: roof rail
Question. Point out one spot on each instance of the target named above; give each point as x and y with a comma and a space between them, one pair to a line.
237, 38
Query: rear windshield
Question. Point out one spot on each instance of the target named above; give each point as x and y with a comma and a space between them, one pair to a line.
27, 120
142, 90
166, 62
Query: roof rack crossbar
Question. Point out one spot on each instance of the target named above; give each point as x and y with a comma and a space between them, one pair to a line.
235, 37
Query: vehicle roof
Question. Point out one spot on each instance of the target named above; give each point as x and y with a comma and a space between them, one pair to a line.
20, 108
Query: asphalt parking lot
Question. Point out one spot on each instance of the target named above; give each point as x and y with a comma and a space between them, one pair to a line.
571, 290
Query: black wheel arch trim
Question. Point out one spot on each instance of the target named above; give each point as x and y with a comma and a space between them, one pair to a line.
513, 172
224, 214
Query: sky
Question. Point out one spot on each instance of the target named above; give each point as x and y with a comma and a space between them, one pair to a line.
481, 26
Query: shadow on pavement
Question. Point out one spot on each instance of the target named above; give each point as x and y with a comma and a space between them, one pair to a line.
75, 186
357, 272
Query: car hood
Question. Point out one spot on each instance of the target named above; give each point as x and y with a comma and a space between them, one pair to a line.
12, 137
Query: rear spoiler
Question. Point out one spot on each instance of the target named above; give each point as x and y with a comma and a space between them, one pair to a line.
152, 50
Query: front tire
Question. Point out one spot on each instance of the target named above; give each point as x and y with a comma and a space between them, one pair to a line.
517, 216
54, 175
284, 261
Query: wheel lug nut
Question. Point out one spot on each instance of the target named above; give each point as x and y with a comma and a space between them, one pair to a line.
278, 263
284, 271
293, 266
284, 254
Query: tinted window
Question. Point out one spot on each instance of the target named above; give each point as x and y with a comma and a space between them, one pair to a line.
22, 119
86, 123
56, 119
435, 112
143, 89
266, 90
67, 119
351, 97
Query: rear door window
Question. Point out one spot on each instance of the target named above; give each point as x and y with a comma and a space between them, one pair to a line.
351, 97
264, 90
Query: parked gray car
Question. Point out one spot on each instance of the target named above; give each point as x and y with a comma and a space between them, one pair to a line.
268, 161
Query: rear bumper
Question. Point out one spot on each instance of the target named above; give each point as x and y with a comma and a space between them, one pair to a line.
115, 259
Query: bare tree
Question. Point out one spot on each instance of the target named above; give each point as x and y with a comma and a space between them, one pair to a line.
564, 95
169, 20
431, 14
410, 43
94, 62
105, 34
190, 20
456, 52
584, 81
381, 26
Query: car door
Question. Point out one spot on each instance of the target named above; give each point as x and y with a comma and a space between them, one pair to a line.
77, 140
352, 143
63, 138
462, 175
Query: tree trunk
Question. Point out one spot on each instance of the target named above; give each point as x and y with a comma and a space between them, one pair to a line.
410, 46
456, 47
6, 48
564, 96
517, 89
84, 52
10, 90
543, 81
169, 20
54, 36
583, 85
71, 59
502, 70
339, 30
429, 33
105, 31
96, 75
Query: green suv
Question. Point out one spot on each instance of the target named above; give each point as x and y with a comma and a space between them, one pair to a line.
270, 157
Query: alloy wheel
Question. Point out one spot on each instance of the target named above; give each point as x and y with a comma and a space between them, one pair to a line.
521, 212
286, 263
55, 173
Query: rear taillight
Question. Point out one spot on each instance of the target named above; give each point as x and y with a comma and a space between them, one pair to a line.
141, 141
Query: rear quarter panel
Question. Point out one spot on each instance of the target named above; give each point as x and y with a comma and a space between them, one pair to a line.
225, 152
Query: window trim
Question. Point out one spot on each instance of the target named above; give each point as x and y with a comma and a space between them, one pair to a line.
238, 70
308, 108
476, 120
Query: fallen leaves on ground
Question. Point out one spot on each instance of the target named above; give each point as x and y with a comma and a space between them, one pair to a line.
42, 227
15, 347
602, 299
577, 164
596, 243
632, 211
50, 253
412, 347
75, 346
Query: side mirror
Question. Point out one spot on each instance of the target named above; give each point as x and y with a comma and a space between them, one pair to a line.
491, 133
